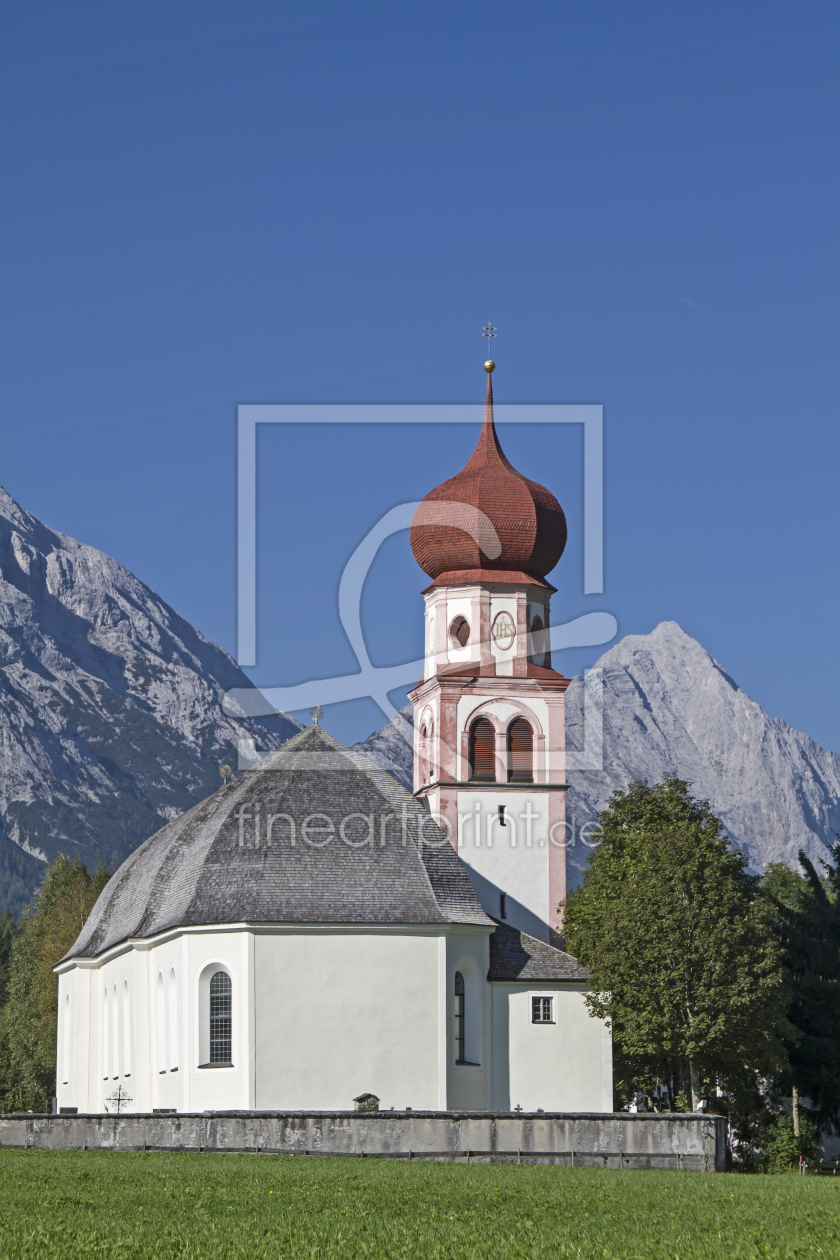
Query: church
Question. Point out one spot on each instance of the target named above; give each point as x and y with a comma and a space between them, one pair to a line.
314, 936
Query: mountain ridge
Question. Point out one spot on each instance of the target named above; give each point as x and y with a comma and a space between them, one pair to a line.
110, 706
111, 722
670, 707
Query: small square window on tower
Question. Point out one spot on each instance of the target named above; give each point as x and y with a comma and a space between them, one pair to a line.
541, 1010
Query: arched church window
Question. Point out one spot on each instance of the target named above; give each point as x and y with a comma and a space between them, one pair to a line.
115, 1035
221, 1018
160, 1022
460, 1017
126, 1032
66, 1073
173, 1021
106, 1046
483, 751
521, 751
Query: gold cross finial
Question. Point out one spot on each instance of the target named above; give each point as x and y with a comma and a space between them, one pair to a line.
489, 332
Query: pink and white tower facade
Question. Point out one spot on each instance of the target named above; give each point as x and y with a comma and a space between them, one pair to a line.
489, 716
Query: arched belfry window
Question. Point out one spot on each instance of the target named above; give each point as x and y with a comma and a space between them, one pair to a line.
483, 751
460, 1018
429, 752
422, 755
427, 743
221, 1018
521, 751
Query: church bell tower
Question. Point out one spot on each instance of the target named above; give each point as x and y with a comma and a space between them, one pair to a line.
489, 721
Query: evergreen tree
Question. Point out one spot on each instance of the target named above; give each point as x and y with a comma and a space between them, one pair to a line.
811, 935
29, 1022
682, 944
8, 932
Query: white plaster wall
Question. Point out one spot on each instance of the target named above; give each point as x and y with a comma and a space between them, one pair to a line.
563, 1066
73, 1019
347, 1012
339, 1013
168, 1053
468, 1084
176, 1081
214, 1088
513, 859
435, 613
116, 1070
431, 646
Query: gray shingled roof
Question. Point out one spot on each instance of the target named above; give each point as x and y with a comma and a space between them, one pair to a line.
205, 867
517, 956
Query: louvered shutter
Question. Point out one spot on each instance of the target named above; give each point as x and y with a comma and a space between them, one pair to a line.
483, 750
521, 750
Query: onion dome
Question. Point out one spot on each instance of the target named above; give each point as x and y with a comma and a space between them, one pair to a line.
488, 523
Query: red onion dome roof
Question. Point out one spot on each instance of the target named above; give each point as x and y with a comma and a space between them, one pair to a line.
488, 523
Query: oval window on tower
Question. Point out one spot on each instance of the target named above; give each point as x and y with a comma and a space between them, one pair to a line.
459, 632
483, 751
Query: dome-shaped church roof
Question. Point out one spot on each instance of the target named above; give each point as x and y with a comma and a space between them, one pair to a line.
314, 833
488, 523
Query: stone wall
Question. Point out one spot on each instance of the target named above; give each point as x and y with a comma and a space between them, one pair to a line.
621, 1140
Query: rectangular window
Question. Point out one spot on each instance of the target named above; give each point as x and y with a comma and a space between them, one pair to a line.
459, 1018
541, 1010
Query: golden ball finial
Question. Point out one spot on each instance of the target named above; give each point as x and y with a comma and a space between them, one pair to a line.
489, 366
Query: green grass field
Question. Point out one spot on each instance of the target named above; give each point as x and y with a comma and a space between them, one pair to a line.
78, 1203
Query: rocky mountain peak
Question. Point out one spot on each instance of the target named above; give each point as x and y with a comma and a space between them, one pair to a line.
110, 705
670, 707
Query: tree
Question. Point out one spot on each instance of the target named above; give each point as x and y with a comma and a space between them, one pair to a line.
29, 1024
8, 932
810, 929
683, 946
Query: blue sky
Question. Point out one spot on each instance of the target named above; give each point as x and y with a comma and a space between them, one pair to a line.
209, 204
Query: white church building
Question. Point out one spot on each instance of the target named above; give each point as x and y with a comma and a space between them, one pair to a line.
314, 932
